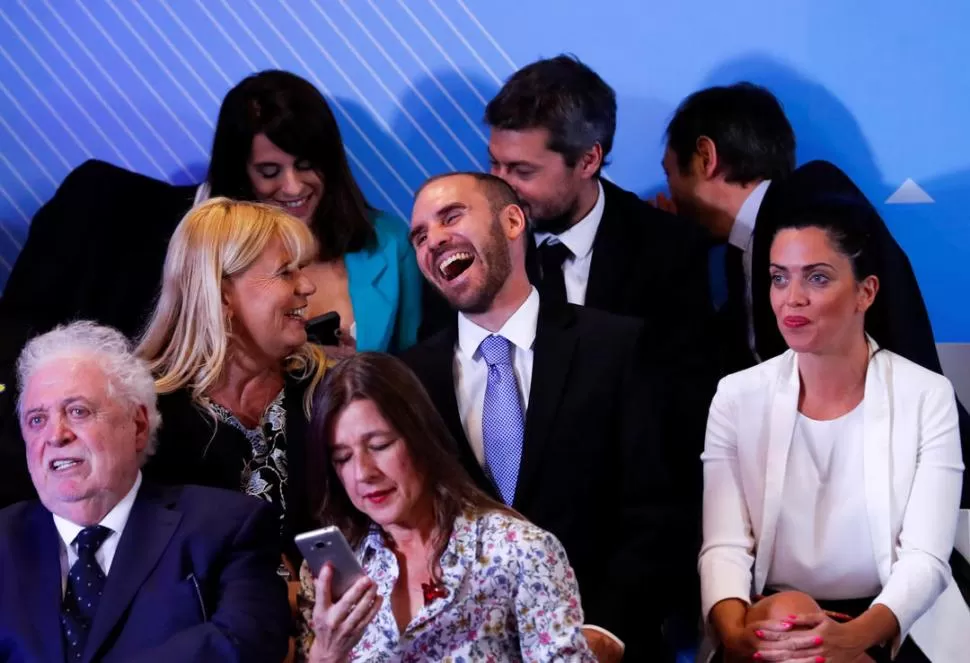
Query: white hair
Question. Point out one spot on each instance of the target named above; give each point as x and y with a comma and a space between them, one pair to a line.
129, 377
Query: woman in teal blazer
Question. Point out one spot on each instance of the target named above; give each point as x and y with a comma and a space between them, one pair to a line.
277, 142
385, 289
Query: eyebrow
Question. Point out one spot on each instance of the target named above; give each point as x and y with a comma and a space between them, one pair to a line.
512, 164
63, 403
811, 266
365, 438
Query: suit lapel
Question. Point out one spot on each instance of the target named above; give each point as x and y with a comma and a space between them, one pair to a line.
556, 340
38, 561
609, 267
147, 533
876, 417
373, 294
784, 411
439, 380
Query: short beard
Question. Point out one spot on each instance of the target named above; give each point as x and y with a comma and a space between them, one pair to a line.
556, 224
498, 258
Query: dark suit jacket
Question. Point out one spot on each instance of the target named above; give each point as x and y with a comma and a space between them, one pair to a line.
593, 471
194, 449
898, 320
151, 610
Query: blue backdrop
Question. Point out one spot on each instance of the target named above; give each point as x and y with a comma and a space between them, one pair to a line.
881, 88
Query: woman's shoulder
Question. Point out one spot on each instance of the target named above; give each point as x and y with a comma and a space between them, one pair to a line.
757, 377
910, 377
497, 528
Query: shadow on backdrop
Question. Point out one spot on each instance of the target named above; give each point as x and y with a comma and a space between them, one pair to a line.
449, 108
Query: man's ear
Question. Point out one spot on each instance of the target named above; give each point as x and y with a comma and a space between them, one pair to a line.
590, 161
705, 157
513, 221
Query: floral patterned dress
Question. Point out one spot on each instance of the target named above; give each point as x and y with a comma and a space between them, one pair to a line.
264, 473
510, 595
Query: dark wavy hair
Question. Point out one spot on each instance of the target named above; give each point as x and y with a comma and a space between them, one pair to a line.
293, 114
405, 405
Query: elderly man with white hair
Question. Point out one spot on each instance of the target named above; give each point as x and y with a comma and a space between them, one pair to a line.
106, 567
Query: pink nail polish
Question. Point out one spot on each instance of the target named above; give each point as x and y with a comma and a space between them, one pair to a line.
819, 659
818, 641
760, 633
792, 616
786, 625
757, 656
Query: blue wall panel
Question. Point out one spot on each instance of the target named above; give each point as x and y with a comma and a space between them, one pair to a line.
880, 88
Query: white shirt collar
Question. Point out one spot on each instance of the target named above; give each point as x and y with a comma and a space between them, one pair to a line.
520, 329
747, 216
116, 519
579, 238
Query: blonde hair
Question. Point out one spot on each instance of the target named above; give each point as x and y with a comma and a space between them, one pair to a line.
186, 341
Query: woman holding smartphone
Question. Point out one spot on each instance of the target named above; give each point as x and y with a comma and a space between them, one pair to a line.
450, 573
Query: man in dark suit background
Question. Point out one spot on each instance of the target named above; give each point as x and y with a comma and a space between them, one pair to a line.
730, 164
108, 568
551, 132
94, 252
552, 408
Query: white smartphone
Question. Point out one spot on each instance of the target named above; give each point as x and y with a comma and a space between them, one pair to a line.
329, 545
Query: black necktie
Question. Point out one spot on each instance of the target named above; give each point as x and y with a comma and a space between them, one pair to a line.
552, 286
85, 584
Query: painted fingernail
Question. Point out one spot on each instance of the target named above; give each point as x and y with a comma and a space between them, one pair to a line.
786, 625
757, 656
818, 641
760, 633
819, 659
792, 616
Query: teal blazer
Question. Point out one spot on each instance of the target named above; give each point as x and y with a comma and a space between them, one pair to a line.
385, 289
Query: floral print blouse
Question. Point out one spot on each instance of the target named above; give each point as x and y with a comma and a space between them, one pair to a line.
264, 473
511, 596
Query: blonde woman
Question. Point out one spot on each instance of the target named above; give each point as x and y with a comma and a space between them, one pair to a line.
228, 347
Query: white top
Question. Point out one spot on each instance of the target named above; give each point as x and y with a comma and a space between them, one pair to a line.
116, 520
578, 239
471, 371
742, 233
827, 558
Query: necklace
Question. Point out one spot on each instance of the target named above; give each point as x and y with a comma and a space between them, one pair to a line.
433, 590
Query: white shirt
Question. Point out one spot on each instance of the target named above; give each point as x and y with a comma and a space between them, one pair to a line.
471, 371
116, 520
742, 233
579, 240
827, 558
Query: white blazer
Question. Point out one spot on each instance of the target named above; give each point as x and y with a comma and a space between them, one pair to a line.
913, 477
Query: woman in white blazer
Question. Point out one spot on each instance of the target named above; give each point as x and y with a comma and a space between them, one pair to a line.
832, 473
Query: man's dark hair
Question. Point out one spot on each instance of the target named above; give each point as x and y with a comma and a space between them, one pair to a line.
563, 96
748, 126
496, 190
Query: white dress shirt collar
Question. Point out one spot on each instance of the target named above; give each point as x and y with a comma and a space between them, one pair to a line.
744, 222
116, 519
520, 329
579, 238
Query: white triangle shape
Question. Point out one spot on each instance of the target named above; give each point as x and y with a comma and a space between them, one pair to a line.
909, 193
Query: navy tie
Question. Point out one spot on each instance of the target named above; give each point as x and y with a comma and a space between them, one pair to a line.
85, 584
503, 424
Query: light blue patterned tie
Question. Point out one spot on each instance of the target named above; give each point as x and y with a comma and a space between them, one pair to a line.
503, 425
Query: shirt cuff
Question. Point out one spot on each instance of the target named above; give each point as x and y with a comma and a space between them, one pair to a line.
600, 629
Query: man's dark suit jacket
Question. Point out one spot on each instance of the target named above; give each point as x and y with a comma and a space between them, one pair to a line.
193, 449
151, 610
594, 467
898, 319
